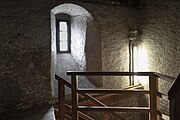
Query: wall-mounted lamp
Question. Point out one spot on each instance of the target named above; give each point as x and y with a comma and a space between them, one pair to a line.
133, 34
140, 64
138, 60
132, 37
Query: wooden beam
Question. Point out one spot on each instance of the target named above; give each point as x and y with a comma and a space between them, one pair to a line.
162, 95
154, 100
117, 109
164, 77
62, 81
81, 115
106, 115
134, 87
84, 90
74, 95
61, 101
109, 98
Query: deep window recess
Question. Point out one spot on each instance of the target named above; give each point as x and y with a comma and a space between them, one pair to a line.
63, 36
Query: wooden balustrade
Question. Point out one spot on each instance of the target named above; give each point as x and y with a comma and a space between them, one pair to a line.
61, 101
153, 93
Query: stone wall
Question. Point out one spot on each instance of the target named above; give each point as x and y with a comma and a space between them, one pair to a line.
160, 26
113, 23
25, 54
25, 45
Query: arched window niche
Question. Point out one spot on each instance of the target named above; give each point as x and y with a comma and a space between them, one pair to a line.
63, 33
85, 45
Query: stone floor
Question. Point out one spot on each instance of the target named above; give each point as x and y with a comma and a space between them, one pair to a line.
42, 114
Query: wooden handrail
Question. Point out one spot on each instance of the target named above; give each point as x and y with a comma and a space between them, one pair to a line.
63, 81
164, 77
110, 73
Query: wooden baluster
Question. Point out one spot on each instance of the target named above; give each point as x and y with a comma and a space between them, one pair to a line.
154, 100
61, 100
74, 82
106, 115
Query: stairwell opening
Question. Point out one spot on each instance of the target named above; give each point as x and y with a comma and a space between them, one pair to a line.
85, 45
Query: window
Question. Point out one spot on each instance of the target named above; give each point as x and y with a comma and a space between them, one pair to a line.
63, 36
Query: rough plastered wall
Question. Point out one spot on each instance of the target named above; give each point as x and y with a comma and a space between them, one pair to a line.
114, 41
114, 23
78, 28
86, 47
160, 26
93, 51
86, 44
24, 54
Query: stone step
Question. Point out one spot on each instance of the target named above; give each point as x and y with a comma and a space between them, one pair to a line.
165, 117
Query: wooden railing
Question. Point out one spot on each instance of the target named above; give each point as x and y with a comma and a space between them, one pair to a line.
174, 98
154, 94
62, 107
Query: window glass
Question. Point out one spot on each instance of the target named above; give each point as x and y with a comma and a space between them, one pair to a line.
63, 36
63, 46
63, 26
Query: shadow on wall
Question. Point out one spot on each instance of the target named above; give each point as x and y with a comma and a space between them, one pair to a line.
85, 45
93, 52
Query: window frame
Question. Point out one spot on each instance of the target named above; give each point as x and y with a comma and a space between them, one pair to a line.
58, 36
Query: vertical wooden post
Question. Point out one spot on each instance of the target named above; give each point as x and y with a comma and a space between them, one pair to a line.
154, 100
106, 116
74, 82
61, 100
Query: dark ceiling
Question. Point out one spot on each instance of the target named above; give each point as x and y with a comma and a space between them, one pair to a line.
127, 3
